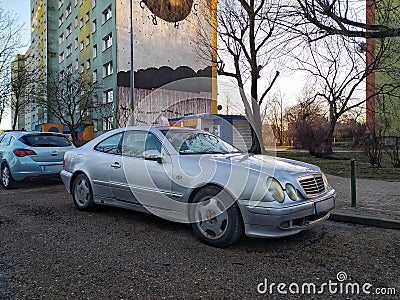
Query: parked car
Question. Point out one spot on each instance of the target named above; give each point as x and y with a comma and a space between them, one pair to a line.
192, 176
31, 154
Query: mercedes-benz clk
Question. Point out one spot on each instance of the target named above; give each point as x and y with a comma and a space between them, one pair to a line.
192, 176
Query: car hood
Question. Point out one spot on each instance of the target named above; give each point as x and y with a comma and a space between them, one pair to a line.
280, 168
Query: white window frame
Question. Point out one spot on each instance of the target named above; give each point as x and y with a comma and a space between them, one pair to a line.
108, 69
107, 41
107, 14
108, 96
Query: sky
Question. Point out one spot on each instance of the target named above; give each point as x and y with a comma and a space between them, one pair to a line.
21, 8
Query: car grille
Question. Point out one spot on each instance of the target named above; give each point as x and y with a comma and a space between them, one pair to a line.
312, 185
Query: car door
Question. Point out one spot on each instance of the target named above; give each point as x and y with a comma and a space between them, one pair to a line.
103, 160
141, 181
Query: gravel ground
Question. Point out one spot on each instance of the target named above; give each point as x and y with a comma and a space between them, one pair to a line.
49, 250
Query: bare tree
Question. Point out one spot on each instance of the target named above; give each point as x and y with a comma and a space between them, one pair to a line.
10, 43
338, 68
307, 124
275, 116
248, 37
343, 17
69, 99
23, 90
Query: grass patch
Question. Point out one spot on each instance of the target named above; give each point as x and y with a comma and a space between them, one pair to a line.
341, 167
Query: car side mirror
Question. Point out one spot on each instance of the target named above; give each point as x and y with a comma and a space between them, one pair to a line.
152, 155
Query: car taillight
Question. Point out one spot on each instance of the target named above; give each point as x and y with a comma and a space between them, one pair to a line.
64, 163
23, 152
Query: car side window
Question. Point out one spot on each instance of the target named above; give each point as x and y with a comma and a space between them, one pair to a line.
136, 142
111, 145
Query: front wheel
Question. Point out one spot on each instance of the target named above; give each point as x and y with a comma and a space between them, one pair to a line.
216, 217
82, 193
6, 178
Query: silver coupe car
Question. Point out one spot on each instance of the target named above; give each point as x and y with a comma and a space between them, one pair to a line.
192, 176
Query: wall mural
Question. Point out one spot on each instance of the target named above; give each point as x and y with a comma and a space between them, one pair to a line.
169, 10
165, 52
164, 47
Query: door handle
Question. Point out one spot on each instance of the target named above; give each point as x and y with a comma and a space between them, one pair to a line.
116, 165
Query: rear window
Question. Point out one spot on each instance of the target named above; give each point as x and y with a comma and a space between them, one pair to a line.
42, 140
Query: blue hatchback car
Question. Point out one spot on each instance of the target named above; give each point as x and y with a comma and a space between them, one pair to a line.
31, 154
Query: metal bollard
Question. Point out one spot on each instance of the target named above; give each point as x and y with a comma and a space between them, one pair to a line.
353, 184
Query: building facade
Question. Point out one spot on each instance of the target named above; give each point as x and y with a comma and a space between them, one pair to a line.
92, 38
382, 109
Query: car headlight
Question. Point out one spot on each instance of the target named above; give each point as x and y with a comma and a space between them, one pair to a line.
275, 189
325, 179
291, 191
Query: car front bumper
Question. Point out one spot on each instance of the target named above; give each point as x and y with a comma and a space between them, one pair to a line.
269, 222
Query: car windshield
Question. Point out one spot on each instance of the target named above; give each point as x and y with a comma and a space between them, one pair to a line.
195, 142
44, 140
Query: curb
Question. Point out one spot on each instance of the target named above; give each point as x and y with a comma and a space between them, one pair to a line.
364, 220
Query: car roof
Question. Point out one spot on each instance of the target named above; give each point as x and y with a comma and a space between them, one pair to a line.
159, 128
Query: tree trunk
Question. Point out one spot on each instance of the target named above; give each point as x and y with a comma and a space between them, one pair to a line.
73, 136
15, 117
257, 145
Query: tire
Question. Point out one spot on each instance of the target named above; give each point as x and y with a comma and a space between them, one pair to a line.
6, 178
216, 218
82, 193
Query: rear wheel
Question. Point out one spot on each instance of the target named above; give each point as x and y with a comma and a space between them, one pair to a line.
216, 217
6, 178
82, 193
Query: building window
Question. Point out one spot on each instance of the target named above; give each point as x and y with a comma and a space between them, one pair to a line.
107, 42
82, 68
76, 3
60, 3
94, 51
81, 46
61, 57
107, 69
61, 20
68, 30
95, 76
69, 10
108, 123
76, 43
88, 64
94, 26
108, 96
80, 23
69, 50
87, 40
61, 75
76, 63
87, 17
69, 69
80, 2
61, 38
93, 3
76, 21
107, 14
